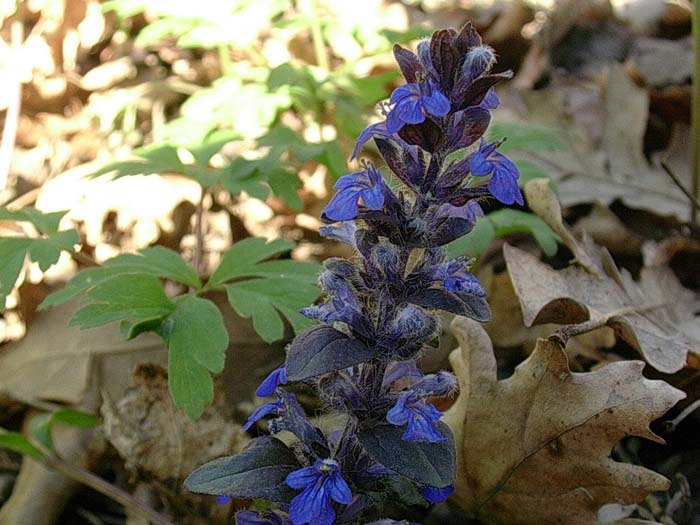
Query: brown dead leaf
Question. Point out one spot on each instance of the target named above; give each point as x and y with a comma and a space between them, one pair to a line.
573, 296
590, 170
152, 435
648, 314
534, 449
58, 362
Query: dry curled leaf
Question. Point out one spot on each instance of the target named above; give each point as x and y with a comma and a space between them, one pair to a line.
534, 449
573, 296
652, 315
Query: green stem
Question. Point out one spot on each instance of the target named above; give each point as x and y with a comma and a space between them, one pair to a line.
224, 60
695, 117
199, 233
317, 35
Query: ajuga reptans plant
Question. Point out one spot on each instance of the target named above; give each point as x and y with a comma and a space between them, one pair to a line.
388, 443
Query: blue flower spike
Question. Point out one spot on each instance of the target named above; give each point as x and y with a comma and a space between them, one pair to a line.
379, 310
320, 484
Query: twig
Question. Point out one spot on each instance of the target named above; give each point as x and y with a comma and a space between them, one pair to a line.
84, 259
670, 426
678, 183
563, 334
199, 232
104, 487
695, 117
9, 132
310, 8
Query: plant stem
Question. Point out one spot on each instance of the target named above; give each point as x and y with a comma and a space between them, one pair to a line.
199, 232
317, 34
695, 116
103, 487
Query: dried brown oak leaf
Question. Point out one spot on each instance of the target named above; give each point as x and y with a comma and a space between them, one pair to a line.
574, 296
534, 449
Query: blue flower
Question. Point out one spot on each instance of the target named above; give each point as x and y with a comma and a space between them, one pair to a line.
366, 184
274, 407
223, 500
504, 182
345, 232
412, 101
252, 517
491, 100
321, 483
434, 495
277, 377
420, 416
456, 278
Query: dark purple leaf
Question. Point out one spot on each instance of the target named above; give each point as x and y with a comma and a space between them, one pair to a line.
259, 471
322, 349
458, 303
408, 62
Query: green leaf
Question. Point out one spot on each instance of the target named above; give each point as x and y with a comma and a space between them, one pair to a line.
333, 158
82, 281
12, 253
211, 145
286, 185
265, 299
45, 252
508, 221
160, 262
45, 223
475, 242
520, 137
41, 425
75, 418
197, 340
241, 258
498, 224
125, 296
18, 443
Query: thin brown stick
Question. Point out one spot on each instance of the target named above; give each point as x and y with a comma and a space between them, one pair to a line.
104, 487
678, 183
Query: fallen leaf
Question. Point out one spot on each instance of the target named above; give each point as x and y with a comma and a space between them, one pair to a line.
534, 449
613, 166
152, 435
57, 362
648, 314
573, 296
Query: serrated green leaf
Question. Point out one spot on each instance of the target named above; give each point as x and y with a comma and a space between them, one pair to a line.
160, 262
45, 223
197, 340
13, 250
265, 299
212, 143
242, 257
18, 443
123, 297
79, 283
286, 185
45, 252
